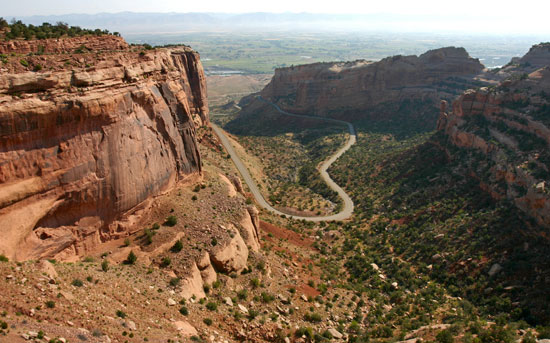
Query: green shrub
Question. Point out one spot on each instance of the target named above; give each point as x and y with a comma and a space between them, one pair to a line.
121, 314
313, 317
212, 306
496, 334
131, 259
24, 62
445, 336
171, 221
304, 331
3, 258
252, 314
105, 265
174, 281
177, 247
149, 235
528, 338
77, 283
50, 304
184, 310
242, 294
207, 321
543, 332
267, 298
126, 242
166, 261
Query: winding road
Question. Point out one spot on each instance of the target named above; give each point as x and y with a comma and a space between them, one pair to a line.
347, 209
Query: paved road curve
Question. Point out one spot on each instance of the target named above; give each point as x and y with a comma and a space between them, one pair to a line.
347, 209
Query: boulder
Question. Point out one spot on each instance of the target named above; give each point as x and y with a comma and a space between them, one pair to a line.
185, 329
46, 267
236, 181
250, 230
231, 256
335, 333
192, 284
208, 273
495, 269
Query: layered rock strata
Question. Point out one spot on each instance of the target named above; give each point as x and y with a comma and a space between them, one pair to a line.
80, 148
350, 90
510, 126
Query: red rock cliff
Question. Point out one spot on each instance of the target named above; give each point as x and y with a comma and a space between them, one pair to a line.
352, 89
510, 126
80, 147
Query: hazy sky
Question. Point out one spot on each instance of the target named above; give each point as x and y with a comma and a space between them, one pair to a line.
537, 8
521, 16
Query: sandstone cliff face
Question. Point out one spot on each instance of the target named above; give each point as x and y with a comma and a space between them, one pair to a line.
81, 147
537, 57
350, 90
510, 126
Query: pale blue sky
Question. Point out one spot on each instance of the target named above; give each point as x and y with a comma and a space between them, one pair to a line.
524, 16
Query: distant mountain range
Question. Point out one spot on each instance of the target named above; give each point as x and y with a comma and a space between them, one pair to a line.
130, 22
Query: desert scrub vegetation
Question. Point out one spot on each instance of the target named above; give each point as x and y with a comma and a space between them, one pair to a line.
171, 221
177, 247
16, 29
131, 259
289, 156
77, 283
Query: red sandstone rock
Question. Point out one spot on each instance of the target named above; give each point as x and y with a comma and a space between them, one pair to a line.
60, 45
83, 147
494, 106
349, 90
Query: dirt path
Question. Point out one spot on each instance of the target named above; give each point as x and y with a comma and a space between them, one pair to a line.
347, 209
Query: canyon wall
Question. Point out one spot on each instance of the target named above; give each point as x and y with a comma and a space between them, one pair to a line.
353, 90
85, 146
503, 134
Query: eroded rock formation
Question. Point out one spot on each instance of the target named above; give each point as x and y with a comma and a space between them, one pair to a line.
510, 126
81, 148
350, 90
232, 255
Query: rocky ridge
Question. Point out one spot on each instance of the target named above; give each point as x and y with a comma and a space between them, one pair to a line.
87, 146
354, 90
508, 124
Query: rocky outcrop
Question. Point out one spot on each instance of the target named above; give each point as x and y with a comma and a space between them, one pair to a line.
537, 57
192, 285
352, 89
61, 45
81, 148
208, 274
509, 126
251, 228
232, 255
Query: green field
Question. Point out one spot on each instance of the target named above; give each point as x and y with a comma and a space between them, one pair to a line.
256, 52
